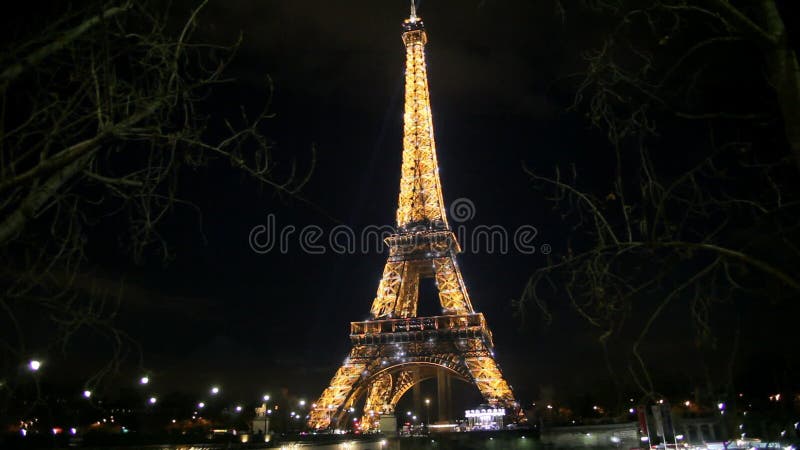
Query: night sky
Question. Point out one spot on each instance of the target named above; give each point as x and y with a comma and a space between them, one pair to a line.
222, 313
500, 79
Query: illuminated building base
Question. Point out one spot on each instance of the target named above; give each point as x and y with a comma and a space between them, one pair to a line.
388, 424
485, 418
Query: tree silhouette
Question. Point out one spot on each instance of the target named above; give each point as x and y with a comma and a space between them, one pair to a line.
695, 207
101, 115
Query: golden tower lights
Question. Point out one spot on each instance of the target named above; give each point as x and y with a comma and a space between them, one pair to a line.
395, 349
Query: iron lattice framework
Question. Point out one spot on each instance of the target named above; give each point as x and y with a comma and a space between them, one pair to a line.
396, 349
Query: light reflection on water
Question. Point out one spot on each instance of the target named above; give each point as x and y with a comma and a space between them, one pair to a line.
439, 443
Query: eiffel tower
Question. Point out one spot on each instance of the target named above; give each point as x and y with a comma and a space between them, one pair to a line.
396, 350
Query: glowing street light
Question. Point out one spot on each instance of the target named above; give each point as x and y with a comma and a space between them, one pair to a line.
153, 400
302, 403
265, 397
34, 365
428, 411
144, 380
214, 390
87, 394
201, 405
238, 408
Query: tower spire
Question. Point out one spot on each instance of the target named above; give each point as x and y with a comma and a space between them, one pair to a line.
420, 204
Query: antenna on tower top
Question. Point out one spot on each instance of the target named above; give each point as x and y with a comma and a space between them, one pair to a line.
413, 11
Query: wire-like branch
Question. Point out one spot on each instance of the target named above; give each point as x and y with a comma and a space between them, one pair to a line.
15, 70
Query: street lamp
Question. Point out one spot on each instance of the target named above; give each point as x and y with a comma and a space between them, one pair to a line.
428, 413
266, 424
153, 400
144, 380
87, 393
34, 365
214, 390
267, 413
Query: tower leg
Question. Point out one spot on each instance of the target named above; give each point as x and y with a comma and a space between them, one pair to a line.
378, 402
329, 404
417, 393
449, 395
388, 288
490, 382
452, 293
442, 397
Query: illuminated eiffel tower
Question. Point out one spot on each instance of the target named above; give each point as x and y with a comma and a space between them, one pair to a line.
396, 350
